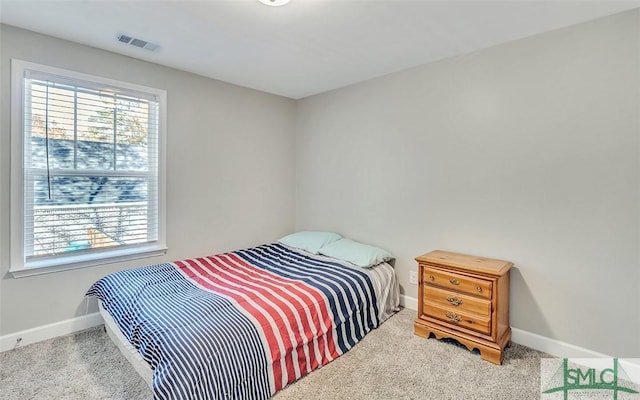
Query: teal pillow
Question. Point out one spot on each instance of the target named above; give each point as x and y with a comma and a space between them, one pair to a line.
362, 255
310, 241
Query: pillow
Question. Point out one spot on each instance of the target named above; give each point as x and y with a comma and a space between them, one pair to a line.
362, 255
310, 241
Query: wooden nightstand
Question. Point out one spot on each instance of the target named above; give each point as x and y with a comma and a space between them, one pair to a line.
465, 298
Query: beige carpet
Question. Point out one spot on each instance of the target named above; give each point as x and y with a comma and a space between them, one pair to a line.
389, 363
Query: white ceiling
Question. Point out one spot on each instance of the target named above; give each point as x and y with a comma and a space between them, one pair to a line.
306, 47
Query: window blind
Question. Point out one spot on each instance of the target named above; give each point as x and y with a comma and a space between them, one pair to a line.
90, 166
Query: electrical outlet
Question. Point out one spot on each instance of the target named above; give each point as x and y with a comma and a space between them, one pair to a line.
413, 277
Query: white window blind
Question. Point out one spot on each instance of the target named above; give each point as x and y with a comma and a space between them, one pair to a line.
90, 168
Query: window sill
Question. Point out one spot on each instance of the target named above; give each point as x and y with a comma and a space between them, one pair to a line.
69, 262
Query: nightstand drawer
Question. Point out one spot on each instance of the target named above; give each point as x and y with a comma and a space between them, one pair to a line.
458, 318
457, 282
458, 301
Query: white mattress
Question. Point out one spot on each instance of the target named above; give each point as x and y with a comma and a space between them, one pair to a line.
131, 354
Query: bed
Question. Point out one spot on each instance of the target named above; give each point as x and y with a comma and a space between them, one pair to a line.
243, 324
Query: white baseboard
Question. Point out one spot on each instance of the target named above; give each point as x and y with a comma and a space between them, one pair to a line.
532, 340
552, 347
29, 336
409, 302
541, 343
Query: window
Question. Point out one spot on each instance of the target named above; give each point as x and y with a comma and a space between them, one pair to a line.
87, 170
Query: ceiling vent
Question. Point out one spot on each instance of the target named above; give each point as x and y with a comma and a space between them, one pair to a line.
143, 44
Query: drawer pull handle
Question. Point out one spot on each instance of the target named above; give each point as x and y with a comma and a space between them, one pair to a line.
432, 278
454, 282
453, 317
479, 289
454, 300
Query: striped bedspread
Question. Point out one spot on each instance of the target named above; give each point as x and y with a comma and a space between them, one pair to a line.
244, 324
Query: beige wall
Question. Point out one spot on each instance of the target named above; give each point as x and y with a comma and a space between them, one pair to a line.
230, 163
528, 151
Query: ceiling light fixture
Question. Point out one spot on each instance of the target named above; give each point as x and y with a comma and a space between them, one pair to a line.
274, 3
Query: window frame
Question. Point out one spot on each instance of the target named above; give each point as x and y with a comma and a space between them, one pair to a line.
19, 265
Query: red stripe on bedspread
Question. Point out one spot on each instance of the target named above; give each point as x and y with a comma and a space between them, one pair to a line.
294, 317
311, 306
